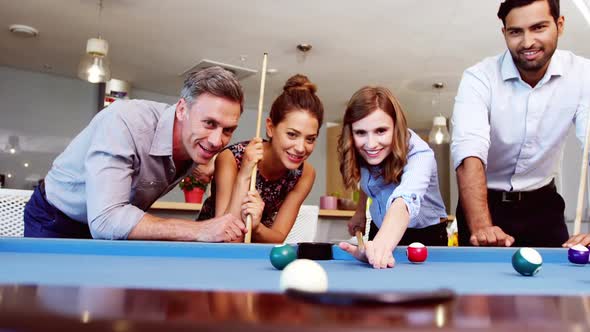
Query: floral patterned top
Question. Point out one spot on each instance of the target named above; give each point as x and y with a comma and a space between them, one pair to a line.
272, 192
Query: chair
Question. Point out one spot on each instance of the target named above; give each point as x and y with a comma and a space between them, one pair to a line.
12, 206
305, 227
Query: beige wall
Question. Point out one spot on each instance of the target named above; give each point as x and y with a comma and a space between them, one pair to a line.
334, 182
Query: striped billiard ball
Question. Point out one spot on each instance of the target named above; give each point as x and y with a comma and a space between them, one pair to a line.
578, 254
527, 261
282, 255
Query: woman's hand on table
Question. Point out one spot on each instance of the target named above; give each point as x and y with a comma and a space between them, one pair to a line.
377, 254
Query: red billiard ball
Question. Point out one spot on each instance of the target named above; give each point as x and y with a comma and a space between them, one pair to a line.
416, 252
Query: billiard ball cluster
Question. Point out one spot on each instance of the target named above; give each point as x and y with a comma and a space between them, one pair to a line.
300, 274
307, 275
528, 261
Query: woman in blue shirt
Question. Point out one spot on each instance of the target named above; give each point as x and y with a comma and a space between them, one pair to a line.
397, 170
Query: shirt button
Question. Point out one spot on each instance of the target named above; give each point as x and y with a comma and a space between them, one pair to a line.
152, 182
414, 197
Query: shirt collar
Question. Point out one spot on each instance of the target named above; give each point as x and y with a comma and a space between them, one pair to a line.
162, 142
509, 70
555, 66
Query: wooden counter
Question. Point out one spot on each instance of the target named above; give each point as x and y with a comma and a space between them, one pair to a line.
331, 226
178, 206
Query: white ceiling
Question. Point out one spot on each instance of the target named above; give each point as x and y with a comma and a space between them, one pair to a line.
404, 44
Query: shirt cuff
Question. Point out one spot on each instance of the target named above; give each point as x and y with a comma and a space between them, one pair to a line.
459, 154
412, 203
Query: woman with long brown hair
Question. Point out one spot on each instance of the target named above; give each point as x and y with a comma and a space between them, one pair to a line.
397, 170
284, 177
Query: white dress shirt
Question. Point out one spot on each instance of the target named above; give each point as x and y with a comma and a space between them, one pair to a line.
518, 131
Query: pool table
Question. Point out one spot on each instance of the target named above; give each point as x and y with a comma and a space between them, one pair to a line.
141, 285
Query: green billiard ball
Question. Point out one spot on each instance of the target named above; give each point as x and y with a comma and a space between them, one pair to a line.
527, 261
282, 255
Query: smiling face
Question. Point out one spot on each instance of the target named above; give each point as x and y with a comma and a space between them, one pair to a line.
373, 136
206, 126
531, 35
294, 138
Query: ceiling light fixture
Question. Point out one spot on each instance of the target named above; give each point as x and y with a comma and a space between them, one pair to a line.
24, 31
95, 66
13, 146
584, 8
301, 56
304, 47
439, 134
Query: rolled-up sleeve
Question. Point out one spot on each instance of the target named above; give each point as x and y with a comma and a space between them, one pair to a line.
581, 117
416, 178
109, 166
470, 120
581, 120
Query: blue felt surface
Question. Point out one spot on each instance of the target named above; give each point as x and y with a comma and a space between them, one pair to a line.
239, 267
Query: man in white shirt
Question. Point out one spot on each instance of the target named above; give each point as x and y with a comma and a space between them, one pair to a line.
512, 114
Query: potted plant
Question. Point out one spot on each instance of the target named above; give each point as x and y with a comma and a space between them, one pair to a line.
193, 189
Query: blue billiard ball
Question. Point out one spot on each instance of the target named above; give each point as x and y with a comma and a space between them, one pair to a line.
578, 254
527, 261
282, 255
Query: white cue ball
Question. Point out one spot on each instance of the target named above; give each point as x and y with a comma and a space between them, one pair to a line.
305, 275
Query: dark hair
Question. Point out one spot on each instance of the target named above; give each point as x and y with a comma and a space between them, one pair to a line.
214, 80
298, 94
508, 5
364, 102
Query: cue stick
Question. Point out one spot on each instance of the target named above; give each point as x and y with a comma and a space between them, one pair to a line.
359, 240
583, 174
248, 237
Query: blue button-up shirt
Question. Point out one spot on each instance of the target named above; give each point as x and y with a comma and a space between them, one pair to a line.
518, 131
418, 187
116, 168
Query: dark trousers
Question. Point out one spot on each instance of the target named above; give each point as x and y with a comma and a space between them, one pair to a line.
43, 220
435, 235
534, 219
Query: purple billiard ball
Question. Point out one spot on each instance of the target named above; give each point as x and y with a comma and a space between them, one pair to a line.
578, 254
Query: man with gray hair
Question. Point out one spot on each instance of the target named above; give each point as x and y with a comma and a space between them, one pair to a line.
132, 153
